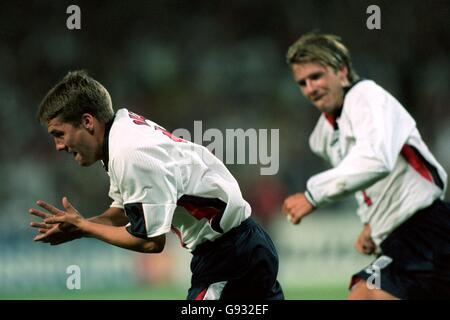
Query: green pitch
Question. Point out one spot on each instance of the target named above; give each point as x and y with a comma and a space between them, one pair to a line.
335, 292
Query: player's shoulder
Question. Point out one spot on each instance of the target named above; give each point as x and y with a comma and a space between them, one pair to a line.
131, 133
364, 95
365, 88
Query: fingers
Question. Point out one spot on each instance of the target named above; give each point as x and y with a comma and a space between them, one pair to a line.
295, 213
38, 213
368, 247
66, 204
289, 208
295, 220
358, 247
286, 211
365, 246
288, 204
293, 217
49, 207
40, 225
40, 237
47, 235
289, 217
296, 207
55, 219
57, 233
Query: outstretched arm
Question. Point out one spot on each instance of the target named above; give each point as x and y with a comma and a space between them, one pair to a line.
111, 217
115, 235
63, 232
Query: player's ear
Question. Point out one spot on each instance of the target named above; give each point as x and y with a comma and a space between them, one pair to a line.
87, 121
343, 75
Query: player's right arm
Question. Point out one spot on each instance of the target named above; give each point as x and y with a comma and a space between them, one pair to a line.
62, 233
118, 236
113, 216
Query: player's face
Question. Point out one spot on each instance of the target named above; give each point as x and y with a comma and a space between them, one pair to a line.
78, 141
321, 85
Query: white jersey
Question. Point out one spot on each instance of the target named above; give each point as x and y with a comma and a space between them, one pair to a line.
152, 172
377, 152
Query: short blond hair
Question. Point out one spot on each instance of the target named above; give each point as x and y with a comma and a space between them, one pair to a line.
325, 49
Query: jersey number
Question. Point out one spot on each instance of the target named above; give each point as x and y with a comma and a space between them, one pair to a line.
140, 120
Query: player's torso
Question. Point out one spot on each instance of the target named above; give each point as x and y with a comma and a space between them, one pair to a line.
394, 198
208, 197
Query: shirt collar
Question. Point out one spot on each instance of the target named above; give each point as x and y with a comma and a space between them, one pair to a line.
105, 158
332, 118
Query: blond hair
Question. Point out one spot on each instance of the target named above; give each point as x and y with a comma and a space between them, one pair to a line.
325, 49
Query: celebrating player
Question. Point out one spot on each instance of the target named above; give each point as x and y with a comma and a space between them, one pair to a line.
151, 173
377, 153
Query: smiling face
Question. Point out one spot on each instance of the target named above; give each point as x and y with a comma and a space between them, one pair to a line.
83, 141
321, 85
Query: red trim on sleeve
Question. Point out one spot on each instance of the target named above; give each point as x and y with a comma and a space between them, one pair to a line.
414, 161
178, 233
200, 213
201, 295
204, 208
367, 199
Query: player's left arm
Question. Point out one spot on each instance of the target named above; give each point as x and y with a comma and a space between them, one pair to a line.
117, 236
364, 243
380, 127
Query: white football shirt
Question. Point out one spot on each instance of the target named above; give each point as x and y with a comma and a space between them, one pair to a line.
152, 172
377, 152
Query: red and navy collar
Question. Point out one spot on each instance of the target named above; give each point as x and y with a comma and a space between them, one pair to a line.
332, 118
105, 158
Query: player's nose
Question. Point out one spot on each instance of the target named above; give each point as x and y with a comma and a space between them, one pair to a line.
60, 146
309, 88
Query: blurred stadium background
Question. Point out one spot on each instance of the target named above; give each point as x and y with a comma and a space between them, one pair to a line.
221, 62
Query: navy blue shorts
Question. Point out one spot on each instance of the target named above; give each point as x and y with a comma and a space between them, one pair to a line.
241, 264
415, 258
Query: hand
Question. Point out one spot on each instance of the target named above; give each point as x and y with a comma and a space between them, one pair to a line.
54, 233
296, 207
70, 216
364, 244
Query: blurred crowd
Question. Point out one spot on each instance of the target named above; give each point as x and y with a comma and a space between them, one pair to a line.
221, 62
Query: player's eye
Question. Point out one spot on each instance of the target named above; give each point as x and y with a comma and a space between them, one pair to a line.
316, 76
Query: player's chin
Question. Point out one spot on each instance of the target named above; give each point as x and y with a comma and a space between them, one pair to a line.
321, 107
85, 163
324, 108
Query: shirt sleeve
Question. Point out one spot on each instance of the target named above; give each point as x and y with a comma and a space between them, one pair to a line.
148, 189
380, 127
115, 195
